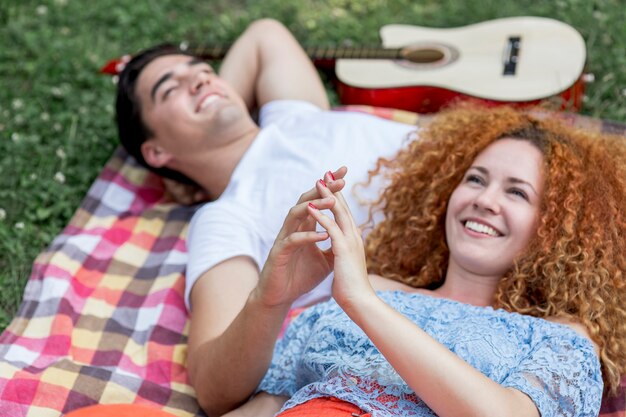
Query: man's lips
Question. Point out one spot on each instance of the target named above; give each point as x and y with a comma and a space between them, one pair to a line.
207, 100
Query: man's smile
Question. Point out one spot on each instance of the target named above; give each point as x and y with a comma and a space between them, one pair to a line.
207, 101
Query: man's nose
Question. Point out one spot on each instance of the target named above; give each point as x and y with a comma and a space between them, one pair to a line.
198, 81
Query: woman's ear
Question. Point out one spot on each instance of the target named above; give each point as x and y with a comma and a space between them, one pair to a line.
154, 154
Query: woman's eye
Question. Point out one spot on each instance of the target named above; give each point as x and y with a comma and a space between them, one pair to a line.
474, 178
519, 193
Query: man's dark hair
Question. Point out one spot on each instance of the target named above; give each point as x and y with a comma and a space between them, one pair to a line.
132, 130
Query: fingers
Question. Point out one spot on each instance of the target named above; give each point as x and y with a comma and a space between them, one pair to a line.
335, 180
324, 195
309, 195
298, 217
333, 229
340, 209
342, 225
302, 238
339, 174
332, 179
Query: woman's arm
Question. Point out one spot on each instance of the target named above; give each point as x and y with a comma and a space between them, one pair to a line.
449, 385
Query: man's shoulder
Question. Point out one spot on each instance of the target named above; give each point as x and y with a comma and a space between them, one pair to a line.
220, 210
292, 115
276, 110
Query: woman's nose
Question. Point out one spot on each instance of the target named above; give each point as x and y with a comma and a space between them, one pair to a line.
487, 200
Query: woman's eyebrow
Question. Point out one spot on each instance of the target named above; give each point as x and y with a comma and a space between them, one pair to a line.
513, 180
480, 169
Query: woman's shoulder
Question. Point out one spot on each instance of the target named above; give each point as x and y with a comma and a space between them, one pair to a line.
385, 284
400, 294
577, 326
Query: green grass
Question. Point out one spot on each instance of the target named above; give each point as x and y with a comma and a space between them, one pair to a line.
56, 112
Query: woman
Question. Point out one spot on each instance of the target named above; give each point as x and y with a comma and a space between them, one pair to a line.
508, 250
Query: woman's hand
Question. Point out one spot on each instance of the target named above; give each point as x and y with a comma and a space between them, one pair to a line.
351, 284
296, 264
261, 405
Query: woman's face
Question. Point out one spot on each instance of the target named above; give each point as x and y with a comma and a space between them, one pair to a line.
492, 213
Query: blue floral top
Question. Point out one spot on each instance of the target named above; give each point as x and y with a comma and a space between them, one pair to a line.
323, 353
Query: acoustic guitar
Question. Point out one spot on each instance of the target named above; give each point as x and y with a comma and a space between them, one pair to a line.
516, 60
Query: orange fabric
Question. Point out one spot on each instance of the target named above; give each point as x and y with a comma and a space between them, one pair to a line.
118, 410
325, 406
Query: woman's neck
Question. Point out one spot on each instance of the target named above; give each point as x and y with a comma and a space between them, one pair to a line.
469, 288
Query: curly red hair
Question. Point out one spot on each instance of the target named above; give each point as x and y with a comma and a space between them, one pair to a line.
573, 267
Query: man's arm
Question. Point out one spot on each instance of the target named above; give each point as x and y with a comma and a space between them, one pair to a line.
236, 318
232, 335
267, 63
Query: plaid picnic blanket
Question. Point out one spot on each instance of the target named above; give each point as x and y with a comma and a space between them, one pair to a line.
103, 318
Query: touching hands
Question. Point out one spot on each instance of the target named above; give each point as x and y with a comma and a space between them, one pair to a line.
351, 284
296, 264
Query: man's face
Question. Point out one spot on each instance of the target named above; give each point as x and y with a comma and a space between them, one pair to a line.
186, 106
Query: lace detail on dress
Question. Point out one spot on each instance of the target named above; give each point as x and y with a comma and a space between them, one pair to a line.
323, 353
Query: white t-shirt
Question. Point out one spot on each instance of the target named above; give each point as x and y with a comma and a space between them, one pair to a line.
298, 142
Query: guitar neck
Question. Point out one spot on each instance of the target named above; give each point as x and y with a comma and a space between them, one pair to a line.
323, 57
318, 54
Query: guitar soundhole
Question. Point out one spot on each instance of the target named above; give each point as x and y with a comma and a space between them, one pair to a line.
426, 55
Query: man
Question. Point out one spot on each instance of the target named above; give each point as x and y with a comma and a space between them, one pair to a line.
178, 117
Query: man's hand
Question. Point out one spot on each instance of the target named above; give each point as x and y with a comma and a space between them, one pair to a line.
296, 264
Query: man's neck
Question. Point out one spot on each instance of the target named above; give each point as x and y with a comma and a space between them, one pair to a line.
214, 172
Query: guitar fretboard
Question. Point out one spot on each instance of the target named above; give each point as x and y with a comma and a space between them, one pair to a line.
314, 52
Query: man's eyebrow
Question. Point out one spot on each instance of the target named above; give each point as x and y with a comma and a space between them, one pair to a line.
161, 80
196, 61
193, 61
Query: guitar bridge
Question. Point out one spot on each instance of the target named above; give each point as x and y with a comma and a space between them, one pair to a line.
511, 55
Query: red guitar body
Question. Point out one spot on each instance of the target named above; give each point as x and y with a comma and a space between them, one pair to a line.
427, 99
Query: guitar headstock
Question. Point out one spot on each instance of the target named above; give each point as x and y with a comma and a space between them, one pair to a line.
115, 66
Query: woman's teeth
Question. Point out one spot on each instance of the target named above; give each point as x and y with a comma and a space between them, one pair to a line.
481, 228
